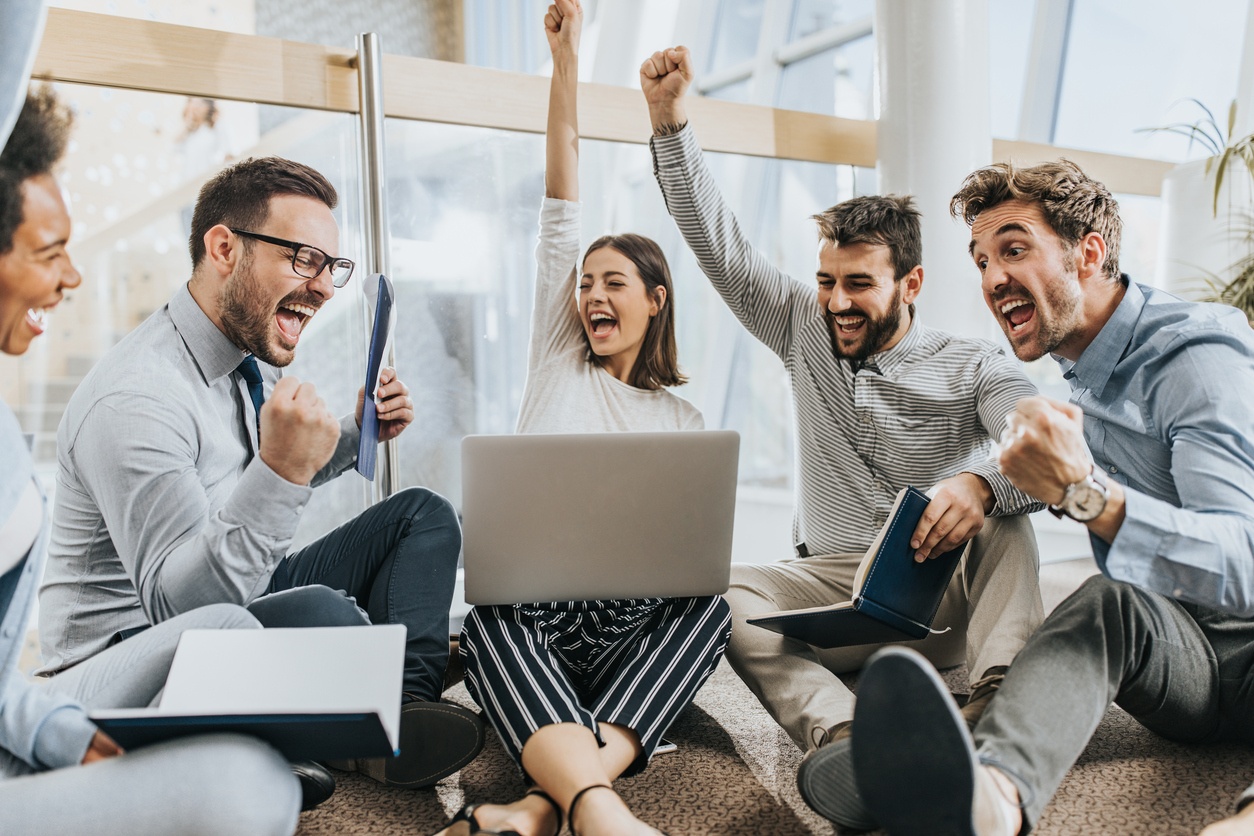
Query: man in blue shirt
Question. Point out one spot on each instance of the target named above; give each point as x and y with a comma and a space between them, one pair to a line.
1155, 455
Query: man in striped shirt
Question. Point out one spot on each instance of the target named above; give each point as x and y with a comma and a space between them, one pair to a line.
881, 402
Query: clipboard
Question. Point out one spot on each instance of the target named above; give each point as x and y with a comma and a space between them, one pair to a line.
384, 318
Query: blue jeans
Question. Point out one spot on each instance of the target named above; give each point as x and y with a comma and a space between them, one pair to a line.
398, 559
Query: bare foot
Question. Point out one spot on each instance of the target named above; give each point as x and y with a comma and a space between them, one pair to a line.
601, 812
997, 811
1242, 824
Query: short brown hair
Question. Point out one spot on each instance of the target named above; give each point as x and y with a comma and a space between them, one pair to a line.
658, 362
889, 220
1073, 203
239, 196
34, 147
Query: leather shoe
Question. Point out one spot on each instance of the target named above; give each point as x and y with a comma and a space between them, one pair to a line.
316, 783
436, 740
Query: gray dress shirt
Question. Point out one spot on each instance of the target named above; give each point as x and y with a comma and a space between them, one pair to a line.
162, 505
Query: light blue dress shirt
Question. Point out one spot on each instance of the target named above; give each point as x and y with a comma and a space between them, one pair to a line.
1167, 389
42, 729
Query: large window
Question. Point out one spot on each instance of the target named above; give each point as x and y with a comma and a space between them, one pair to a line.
464, 206
132, 173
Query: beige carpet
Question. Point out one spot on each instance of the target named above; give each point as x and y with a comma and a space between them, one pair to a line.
735, 774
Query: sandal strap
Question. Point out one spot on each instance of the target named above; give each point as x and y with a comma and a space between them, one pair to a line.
570, 814
557, 808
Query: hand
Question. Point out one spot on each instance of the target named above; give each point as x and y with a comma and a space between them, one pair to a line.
562, 26
955, 515
1043, 449
391, 403
298, 432
101, 747
664, 78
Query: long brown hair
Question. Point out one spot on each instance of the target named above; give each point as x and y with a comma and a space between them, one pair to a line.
658, 362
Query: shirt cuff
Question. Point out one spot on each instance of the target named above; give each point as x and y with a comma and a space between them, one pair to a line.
672, 150
345, 455
63, 737
1007, 499
1147, 552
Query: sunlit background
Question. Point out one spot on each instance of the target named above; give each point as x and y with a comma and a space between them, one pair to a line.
1089, 74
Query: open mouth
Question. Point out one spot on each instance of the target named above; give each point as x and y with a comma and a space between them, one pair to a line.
601, 325
1017, 313
291, 318
37, 319
848, 326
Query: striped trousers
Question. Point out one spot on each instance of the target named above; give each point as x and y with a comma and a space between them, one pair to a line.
634, 663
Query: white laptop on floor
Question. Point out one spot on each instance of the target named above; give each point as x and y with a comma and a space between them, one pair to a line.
313, 693
597, 516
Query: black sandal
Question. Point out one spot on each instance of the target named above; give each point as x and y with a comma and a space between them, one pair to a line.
570, 814
574, 801
466, 816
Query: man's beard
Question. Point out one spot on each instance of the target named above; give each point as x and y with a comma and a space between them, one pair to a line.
878, 331
247, 314
1052, 331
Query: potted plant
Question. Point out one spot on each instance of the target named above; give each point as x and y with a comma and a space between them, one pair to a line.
1207, 250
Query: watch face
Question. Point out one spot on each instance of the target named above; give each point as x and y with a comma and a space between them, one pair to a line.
1086, 502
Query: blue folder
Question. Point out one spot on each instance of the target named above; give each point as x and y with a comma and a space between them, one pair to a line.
895, 598
368, 446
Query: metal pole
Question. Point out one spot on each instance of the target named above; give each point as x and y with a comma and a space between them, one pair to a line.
375, 212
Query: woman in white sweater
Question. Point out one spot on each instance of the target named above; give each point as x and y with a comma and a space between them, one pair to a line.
581, 692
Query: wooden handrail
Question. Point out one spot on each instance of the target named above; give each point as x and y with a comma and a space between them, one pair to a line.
127, 53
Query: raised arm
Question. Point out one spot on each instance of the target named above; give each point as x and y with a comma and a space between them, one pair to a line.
555, 325
562, 27
765, 300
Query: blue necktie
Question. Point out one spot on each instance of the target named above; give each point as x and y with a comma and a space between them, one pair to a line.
252, 376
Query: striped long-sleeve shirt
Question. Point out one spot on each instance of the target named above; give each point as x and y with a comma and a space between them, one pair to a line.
919, 412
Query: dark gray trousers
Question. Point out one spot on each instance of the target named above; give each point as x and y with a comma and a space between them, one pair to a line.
1183, 671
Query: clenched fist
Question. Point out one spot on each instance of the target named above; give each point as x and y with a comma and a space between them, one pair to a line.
664, 77
298, 432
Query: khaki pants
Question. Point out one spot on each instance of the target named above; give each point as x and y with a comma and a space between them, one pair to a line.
992, 606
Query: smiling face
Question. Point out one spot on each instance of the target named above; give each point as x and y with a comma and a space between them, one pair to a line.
615, 307
265, 305
1030, 280
867, 311
36, 272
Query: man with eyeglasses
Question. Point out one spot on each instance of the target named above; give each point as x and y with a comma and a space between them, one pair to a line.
186, 458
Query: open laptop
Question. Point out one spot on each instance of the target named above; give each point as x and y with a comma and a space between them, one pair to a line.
313, 693
597, 516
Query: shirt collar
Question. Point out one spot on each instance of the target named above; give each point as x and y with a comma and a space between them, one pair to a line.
890, 359
216, 355
1097, 363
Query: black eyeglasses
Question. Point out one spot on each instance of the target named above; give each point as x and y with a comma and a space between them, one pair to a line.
308, 261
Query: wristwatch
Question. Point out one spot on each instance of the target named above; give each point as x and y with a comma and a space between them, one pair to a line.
1084, 500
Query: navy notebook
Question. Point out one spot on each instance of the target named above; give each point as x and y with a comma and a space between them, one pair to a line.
312, 692
894, 598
